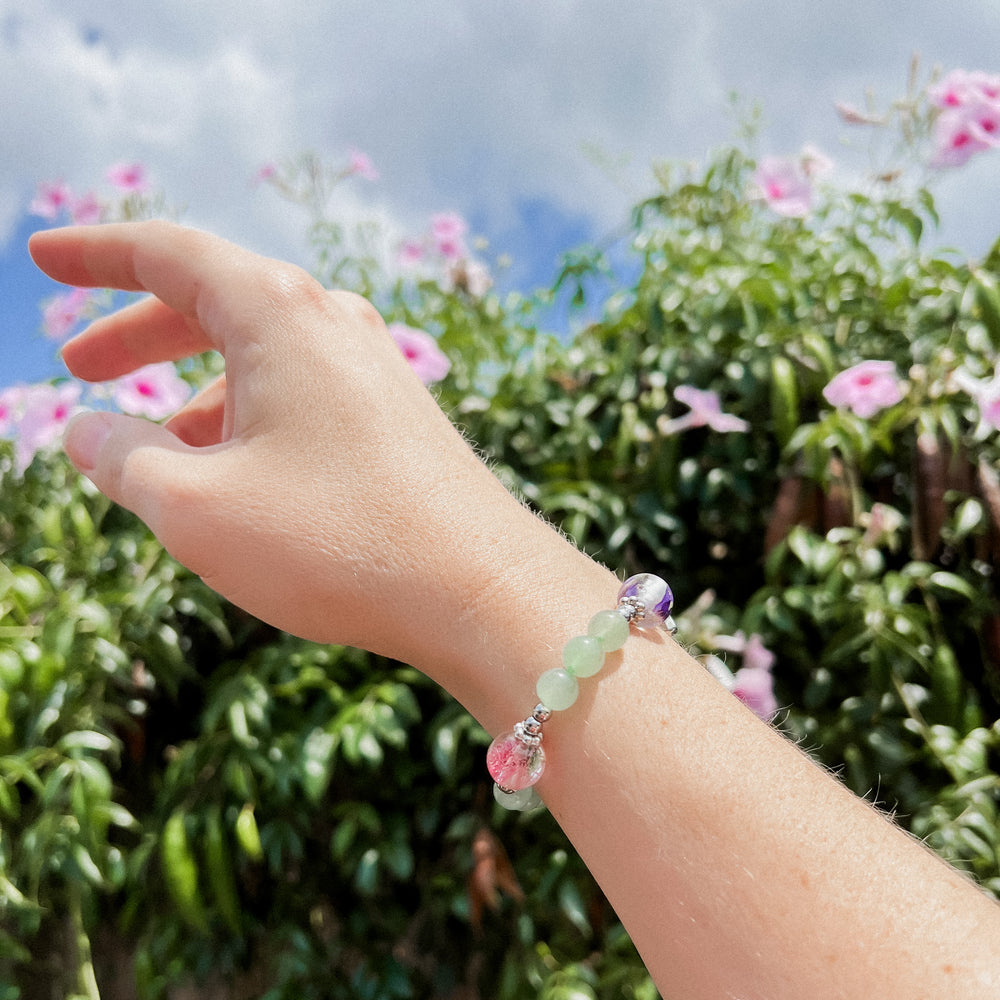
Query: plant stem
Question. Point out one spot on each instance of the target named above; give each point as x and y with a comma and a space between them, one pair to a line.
86, 980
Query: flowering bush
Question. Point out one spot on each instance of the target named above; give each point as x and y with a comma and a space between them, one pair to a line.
793, 413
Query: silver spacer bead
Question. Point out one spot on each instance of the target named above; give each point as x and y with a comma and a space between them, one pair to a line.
631, 609
541, 713
528, 739
670, 625
532, 726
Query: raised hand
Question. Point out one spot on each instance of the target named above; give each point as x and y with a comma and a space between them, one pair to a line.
317, 485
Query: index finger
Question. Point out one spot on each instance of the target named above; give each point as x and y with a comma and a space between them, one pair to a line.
204, 278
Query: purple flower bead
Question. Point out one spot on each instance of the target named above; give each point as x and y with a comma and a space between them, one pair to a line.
653, 593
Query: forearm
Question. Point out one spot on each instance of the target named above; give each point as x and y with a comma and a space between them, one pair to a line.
738, 866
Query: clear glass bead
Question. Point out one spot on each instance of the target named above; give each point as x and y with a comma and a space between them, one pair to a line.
653, 593
610, 629
557, 689
583, 655
513, 764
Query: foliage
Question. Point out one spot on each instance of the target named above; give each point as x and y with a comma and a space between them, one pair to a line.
191, 796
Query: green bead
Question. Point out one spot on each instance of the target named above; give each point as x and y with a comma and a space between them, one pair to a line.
610, 628
520, 801
557, 689
583, 656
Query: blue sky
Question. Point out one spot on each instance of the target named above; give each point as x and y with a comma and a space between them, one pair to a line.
491, 109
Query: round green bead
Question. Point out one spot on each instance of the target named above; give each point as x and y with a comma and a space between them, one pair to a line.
583, 656
610, 628
520, 801
557, 689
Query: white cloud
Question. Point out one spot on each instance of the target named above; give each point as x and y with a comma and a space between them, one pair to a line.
478, 106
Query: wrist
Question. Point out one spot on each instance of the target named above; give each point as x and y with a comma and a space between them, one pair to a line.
529, 591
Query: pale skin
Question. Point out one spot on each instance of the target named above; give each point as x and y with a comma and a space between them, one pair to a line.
740, 869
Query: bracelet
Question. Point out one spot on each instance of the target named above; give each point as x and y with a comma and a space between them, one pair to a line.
516, 759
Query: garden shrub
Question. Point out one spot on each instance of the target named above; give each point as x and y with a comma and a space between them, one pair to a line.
191, 797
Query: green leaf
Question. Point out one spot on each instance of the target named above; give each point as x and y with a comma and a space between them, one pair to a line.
968, 517
85, 740
221, 873
986, 296
572, 906
366, 874
784, 399
180, 870
317, 758
88, 867
247, 834
942, 580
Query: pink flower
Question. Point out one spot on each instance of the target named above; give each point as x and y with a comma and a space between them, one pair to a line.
155, 391
86, 210
754, 686
11, 406
448, 231
50, 199
129, 177
881, 524
268, 172
422, 352
961, 132
361, 166
756, 656
961, 86
984, 120
989, 410
988, 85
864, 388
411, 253
706, 411
784, 186
45, 411
61, 313
753, 683
969, 121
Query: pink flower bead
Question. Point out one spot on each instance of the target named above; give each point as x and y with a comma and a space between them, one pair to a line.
513, 764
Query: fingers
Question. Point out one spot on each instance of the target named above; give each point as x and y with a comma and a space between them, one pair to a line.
201, 421
168, 260
71, 256
140, 334
136, 463
219, 288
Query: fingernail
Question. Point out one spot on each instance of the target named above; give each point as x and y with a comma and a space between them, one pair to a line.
85, 437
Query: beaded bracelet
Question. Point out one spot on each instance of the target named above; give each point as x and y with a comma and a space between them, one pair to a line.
516, 759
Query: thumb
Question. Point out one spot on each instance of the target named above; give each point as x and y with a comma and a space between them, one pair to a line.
134, 462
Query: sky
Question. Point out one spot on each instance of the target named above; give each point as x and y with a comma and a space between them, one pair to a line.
535, 119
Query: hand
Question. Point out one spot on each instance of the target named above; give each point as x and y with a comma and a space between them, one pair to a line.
317, 485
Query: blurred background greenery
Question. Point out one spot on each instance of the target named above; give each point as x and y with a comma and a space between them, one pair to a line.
193, 804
